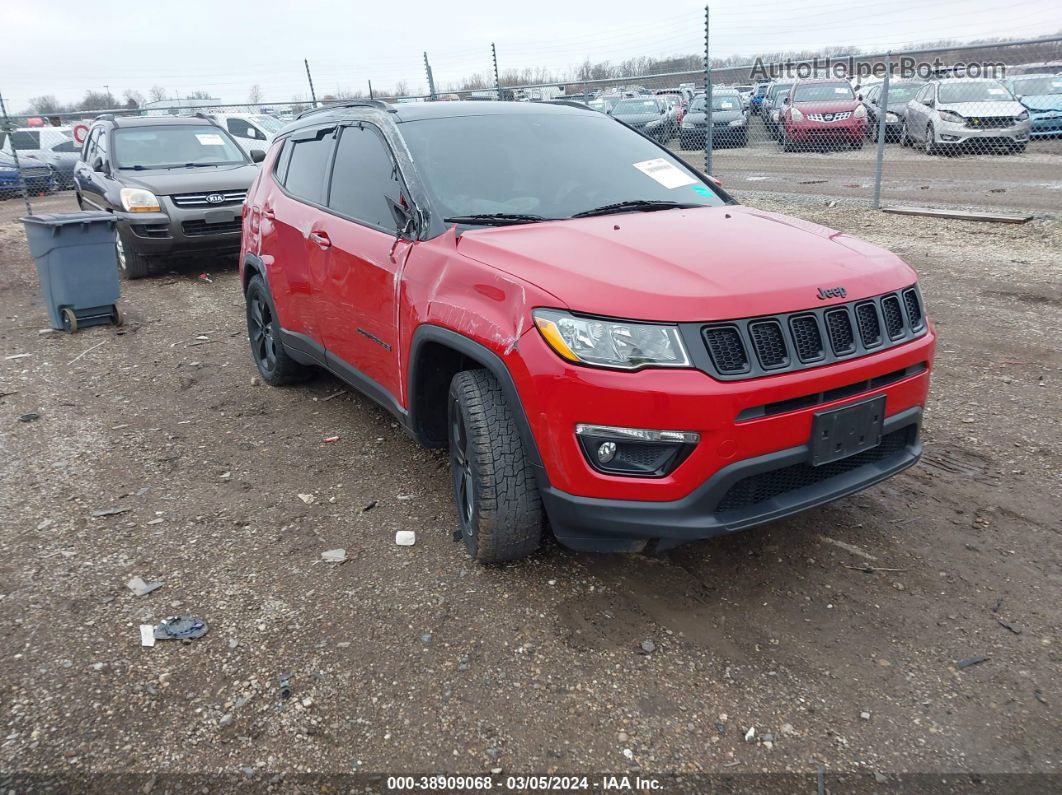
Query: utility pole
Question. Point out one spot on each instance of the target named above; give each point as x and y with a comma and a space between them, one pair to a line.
497, 82
370, 91
707, 100
313, 96
431, 80
879, 156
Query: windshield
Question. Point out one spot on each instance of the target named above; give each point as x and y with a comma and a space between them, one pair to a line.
823, 92
637, 106
725, 102
779, 88
762, 88
548, 164
169, 147
902, 93
988, 91
1037, 86
601, 104
268, 123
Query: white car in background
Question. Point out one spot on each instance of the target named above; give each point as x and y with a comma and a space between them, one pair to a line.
978, 114
251, 130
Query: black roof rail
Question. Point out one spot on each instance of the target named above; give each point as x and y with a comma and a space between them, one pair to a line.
210, 117
571, 103
353, 103
105, 117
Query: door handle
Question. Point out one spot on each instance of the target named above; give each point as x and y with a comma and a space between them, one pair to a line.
321, 239
269, 214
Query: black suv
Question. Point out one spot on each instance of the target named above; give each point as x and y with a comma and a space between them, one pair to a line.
176, 185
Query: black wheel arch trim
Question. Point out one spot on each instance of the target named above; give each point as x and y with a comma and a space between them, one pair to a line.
252, 264
490, 361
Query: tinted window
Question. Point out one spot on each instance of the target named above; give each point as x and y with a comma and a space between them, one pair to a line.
548, 164
240, 128
365, 178
902, 93
65, 146
90, 146
280, 168
637, 106
306, 169
26, 140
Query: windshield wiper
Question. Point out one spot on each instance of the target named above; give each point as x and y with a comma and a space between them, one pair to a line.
137, 167
640, 205
497, 219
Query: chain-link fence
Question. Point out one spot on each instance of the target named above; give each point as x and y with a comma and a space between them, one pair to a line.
968, 126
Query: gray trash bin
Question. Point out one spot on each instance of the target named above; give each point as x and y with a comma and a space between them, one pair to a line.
77, 267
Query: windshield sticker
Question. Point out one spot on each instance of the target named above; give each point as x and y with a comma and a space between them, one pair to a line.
667, 174
702, 190
210, 139
840, 90
997, 91
724, 105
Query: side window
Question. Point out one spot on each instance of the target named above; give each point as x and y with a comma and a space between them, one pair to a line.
101, 144
65, 146
90, 146
280, 167
365, 178
308, 165
240, 128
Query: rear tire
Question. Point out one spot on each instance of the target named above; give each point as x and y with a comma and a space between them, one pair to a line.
495, 492
905, 136
274, 364
131, 263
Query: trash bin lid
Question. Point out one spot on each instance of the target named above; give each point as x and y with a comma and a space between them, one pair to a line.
62, 219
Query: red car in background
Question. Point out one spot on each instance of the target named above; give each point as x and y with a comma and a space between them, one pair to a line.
822, 112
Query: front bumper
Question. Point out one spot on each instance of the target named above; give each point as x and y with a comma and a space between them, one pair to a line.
851, 129
751, 492
955, 134
1046, 125
184, 230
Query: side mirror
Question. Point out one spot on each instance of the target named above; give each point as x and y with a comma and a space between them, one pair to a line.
785, 101
404, 223
98, 166
859, 97
930, 103
257, 155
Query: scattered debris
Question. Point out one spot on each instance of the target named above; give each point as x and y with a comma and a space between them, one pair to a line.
147, 635
233, 643
180, 628
628, 753
370, 506
847, 547
29, 417
141, 588
864, 715
205, 277
871, 569
108, 512
330, 439
750, 735
87, 350
425, 638
309, 499
1009, 627
334, 556
1038, 694
405, 538
971, 661
284, 688
999, 604
17, 356
647, 646
333, 395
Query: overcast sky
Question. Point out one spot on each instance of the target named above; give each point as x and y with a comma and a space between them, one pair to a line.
63, 47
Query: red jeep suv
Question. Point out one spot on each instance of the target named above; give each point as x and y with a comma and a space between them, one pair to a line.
822, 112
582, 320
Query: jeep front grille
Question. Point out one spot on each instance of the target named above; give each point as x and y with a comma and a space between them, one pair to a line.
760, 346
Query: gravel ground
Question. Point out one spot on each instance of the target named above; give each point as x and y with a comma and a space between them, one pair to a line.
829, 640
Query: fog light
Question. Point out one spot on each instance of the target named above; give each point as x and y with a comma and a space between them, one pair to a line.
635, 452
606, 452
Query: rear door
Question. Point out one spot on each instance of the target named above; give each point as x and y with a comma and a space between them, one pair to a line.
366, 256
89, 181
292, 207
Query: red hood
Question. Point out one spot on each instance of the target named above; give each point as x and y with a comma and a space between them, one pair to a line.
710, 263
833, 106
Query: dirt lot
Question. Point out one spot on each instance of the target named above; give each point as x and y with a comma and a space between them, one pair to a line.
412, 659
1028, 181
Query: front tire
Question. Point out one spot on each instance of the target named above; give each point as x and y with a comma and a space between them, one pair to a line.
931, 145
495, 492
905, 136
131, 263
263, 329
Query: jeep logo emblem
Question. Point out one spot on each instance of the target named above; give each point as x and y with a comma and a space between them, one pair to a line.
832, 292
214, 198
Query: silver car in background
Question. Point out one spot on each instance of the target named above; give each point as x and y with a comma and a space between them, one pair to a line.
973, 114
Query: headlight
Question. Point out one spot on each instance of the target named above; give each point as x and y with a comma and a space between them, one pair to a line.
891, 118
737, 122
796, 115
138, 200
860, 112
1023, 115
951, 116
617, 344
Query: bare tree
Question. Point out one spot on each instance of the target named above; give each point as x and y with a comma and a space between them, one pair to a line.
254, 96
199, 95
98, 100
157, 93
45, 105
133, 99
